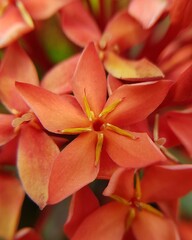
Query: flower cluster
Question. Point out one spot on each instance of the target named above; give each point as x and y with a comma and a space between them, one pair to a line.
115, 115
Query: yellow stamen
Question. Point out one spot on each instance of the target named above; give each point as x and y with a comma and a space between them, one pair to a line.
120, 131
151, 209
88, 111
138, 187
27, 18
130, 218
120, 199
168, 154
156, 128
109, 108
100, 137
24, 118
75, 130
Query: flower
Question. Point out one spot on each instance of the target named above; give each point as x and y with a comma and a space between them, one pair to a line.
101, 125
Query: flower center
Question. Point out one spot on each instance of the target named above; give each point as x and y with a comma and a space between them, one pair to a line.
98, 125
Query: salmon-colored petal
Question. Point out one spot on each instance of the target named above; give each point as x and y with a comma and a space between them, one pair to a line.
58, 79
150, 11
55, 112
36, 155
107, 166
163, 183
113, 84
180, 124
11, 199
40, 10
74, 168
89, 79
8, 152
148, 226
170, 208
12, 26
16, 66
123, 32
83, 203
78, 24
166, 132
6, 130
113, 226
138, 101
182, 89
185, 229
121, 184
180, 13
132, 70
27, 233
127, 152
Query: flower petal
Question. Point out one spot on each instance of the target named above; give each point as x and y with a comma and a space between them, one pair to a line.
123, 32
36, 155
78, 24
6, 130
58, 79
180, 123
89, 79
112, 228
74, 168
182, 89
150, 11
16, 66
55, 112
113, 84
27, 233
121, 184
107, 166
159, 182
12, 26
40, 10
127, 152
11, 200
150, 226
83, 203
131, 70
8, 152
138, 102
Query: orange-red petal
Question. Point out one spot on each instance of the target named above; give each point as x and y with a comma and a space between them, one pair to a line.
127, 152
58, 79
78, 24
74, 168
123, 32
121, 184
16, 66
159, 182
27, 233
11, 200
54, 112
89, 79
113, 226
83, 203
138, 101
6, 130
150, 226
149, 13
36, 155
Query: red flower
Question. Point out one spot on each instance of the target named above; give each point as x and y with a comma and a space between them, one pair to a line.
101, 125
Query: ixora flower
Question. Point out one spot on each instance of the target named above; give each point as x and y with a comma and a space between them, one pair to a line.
131, 215
120, 34
21, 125
101, 124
